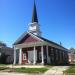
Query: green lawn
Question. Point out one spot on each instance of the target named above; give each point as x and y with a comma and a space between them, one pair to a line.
31, 70
3, 65
70, 70
3, 68
48, 66
26, 70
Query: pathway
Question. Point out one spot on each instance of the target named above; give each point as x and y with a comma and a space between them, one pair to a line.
56, 70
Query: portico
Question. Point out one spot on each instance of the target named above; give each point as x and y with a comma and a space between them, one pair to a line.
37, 49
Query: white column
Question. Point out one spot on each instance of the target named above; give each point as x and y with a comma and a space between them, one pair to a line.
47, 54
34, 62
42, 54
20, 56
14, 55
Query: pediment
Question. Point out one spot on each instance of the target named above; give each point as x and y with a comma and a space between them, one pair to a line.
29, 39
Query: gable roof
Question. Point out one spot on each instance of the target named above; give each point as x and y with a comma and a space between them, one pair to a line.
38, 37
49, 41
23, 35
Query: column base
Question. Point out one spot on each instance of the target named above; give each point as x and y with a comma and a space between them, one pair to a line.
42, 63
34, 63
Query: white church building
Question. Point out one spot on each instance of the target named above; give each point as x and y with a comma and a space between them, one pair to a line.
32, 48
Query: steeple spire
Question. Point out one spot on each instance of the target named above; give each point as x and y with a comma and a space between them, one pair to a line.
34, 16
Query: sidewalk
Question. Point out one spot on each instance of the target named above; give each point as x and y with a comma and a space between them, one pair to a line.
56, 70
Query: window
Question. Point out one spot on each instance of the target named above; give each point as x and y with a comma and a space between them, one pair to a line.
24, 56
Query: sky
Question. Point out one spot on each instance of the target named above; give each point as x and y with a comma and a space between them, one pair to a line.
56, 19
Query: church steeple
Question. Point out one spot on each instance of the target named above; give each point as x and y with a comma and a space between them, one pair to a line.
34, 15
34, 27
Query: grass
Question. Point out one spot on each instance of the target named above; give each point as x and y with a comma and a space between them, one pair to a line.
48, 66
31, 70
3, 64
3, 68
70, 70
25, 70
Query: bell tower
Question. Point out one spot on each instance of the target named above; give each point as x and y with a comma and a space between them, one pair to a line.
34, 27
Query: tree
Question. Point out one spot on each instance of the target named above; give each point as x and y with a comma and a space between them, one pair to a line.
2, 43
